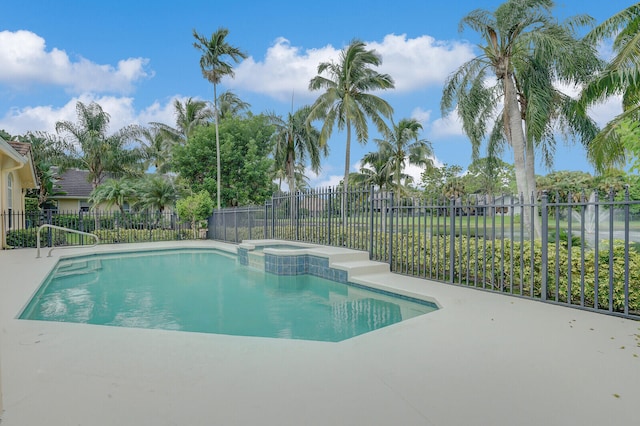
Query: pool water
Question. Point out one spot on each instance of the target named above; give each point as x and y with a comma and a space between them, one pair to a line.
209, 291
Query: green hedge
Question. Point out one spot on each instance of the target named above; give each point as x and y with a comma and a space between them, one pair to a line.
108, 236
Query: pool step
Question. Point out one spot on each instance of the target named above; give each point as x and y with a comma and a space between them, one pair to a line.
361, 267
79, 268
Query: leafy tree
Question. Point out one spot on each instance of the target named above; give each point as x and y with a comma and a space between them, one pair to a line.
91, 148
294, 143
347, 100
401, 145
195, 208
443, 181
620, 77
246, 145
489, 176
529, 53
562, 183
212, 63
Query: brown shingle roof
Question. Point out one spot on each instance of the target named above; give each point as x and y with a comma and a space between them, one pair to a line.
21, 148
75, 183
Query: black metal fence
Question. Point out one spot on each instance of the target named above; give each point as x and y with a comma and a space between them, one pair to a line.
587, 254
111, 227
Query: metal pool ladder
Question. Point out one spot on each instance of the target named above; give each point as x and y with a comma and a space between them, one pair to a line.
46, 225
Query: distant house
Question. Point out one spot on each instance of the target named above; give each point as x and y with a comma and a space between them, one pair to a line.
75, 190
17, 174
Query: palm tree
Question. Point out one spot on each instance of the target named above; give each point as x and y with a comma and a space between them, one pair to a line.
213, 67
189, 115
529, 53
375, 171
347, 101
157, 146
230, 105
401, 146
621, 76
157, 193
294, 143
113, 192
91, 148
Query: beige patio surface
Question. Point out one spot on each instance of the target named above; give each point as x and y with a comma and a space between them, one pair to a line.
482, 359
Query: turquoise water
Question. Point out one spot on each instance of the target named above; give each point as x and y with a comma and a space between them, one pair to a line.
209, 291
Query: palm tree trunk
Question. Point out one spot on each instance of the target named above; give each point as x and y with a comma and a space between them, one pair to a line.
515, 135
531, 181
345, 183
218, 173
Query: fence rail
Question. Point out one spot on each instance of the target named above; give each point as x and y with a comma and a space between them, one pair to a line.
583, 258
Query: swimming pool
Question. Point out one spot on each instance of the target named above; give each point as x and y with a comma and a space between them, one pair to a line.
203, 290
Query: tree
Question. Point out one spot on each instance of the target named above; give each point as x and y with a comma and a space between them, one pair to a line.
92, 149
47, 152
157, 146
213, 66
294, 143
401, 146
246, 145
530, 54
375, 171
489, 176
620, 77
347, 101
113, 192
443, 181
230, 105
195, 208
156, 193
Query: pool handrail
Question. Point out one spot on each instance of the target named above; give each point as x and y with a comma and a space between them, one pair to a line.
62, 228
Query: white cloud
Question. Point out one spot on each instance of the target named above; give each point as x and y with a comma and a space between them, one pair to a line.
413, 64
285, 70
604, 112
26, 61
420, 62
120, 109
421, 115
446, 126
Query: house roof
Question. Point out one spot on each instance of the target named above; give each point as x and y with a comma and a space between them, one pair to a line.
74, 183
21, 148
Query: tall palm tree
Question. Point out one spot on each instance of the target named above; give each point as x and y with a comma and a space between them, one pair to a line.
621, 76
295, 142
213, 66
190, 114
230, 105
528, 52
347, 101
91, 148
401, 145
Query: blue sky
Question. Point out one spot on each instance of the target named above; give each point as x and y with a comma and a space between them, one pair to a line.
135, 58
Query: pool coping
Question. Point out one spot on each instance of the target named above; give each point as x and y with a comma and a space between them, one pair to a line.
482, 358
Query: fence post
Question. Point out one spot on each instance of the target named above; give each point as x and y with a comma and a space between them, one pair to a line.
296, 210
329, 214
371, 227
544, 266
452, 238
390, 230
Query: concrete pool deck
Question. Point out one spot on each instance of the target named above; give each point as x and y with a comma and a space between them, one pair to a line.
483, 359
